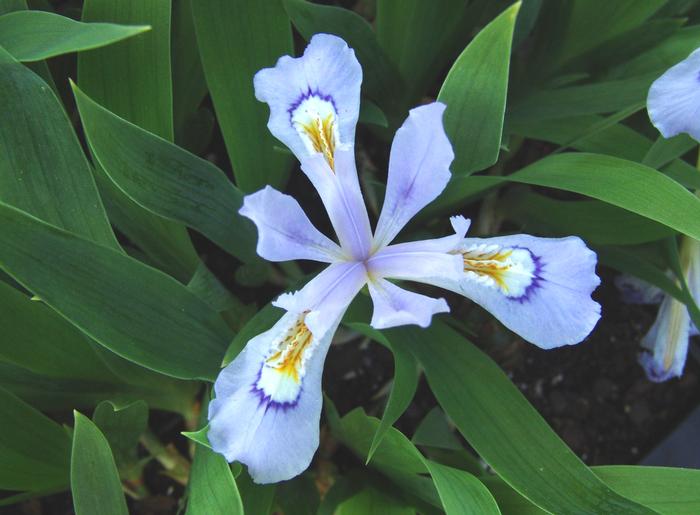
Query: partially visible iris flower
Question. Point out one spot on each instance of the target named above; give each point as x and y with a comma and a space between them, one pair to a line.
673, 101
666, 342
268, 400
673, 104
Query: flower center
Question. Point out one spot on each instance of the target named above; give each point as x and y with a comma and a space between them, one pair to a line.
511, 270
282, 371
315, 119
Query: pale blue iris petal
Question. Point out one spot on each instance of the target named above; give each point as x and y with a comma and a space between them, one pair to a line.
394, 306
328, 69
341, 195
284, 231
674, 99
666, 342
550, 307
276, 442
419, 169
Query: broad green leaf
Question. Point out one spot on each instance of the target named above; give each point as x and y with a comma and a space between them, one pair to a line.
42, 168
661, 57
395, 457
236, 39
626, 46
142, 62
167, 180
137, 312
605, 123
631, 186
55, 393
373, 502
593, 22
381, 80
93, 474
663, 151
212, 488
403, 388
671, 491
261, 322
205, 285
434, 431
37, 35
504, 429
419, 37
596, 98
34, 450
475, 94
122, 425
38, 339
596, 222
189, 86
298, 496
40, 68
256, 498
461, 492
395, 454
617, 140
668, 490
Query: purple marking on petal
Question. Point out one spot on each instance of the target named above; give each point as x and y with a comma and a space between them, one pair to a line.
267, 399
308, 94
537, 278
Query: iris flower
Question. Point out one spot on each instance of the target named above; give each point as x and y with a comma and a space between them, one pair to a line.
673, 104
268, 400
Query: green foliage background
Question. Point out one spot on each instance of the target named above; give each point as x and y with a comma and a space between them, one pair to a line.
114, 327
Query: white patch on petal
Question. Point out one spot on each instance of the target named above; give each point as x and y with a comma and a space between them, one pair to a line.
282, 371
511, 270
316, 121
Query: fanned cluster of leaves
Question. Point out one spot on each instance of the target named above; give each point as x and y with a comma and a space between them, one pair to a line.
108, 308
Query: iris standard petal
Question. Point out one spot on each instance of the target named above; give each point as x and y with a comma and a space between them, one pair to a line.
539, 288
419, 169
314, 99
284, 231
674, 99
340, 193
268, 400
394, 306
666, 342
